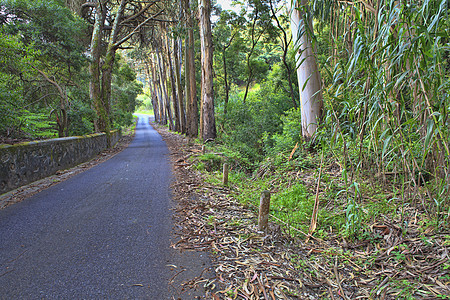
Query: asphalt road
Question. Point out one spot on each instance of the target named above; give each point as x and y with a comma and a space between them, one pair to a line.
103, 234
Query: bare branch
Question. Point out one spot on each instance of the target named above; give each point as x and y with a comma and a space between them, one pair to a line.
88, 4
138, 13
127, 37
54, 83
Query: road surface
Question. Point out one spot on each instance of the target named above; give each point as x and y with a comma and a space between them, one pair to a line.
104, 233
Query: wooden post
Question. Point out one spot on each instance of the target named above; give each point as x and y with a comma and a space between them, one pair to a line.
203, 149
264, 207
225, 174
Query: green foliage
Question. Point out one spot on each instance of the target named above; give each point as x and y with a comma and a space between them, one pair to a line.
278, 76
353, 214
294, 206
385, 108
210, 162
249, 188
37, 125
291, 135
124, 93
236, 159
144, 101
248, 127
81, 117
41, 58
47, 25
386, 81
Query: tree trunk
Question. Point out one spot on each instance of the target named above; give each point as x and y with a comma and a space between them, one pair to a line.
163, 85
95, 72
110, 57
158, 88
209, 123
225, 72
225, 78
249, 79
63, 119
153, 90
101, 75
107, 68
285, 46
173, 83
255, 37
181, 111
191, 87
309, 80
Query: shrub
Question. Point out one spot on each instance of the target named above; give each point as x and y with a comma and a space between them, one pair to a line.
248, 127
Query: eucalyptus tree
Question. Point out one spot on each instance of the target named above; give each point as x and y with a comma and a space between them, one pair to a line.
173, 48
169, 62
163, 82
162, 53
178, 58
144, 62
309, 79
207, 120
158, 88
154, 88
192, 117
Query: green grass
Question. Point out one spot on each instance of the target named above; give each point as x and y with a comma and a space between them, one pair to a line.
38, 125
294, 206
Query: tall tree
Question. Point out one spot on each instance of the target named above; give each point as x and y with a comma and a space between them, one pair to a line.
309, 80
173, 85
158, 89
153, 89
207, 122
162, 74
189, 65
102, 123
177, 48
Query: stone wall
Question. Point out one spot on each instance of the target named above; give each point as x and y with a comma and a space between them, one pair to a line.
24, 163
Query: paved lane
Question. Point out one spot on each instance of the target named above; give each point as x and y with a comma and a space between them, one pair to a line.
101, 234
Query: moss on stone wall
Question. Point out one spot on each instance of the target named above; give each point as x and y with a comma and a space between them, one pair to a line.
26, 162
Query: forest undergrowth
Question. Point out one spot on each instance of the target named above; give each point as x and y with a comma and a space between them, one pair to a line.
372, 248
378, 244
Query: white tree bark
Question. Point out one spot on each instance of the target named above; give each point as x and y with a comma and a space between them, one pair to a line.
309, 80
